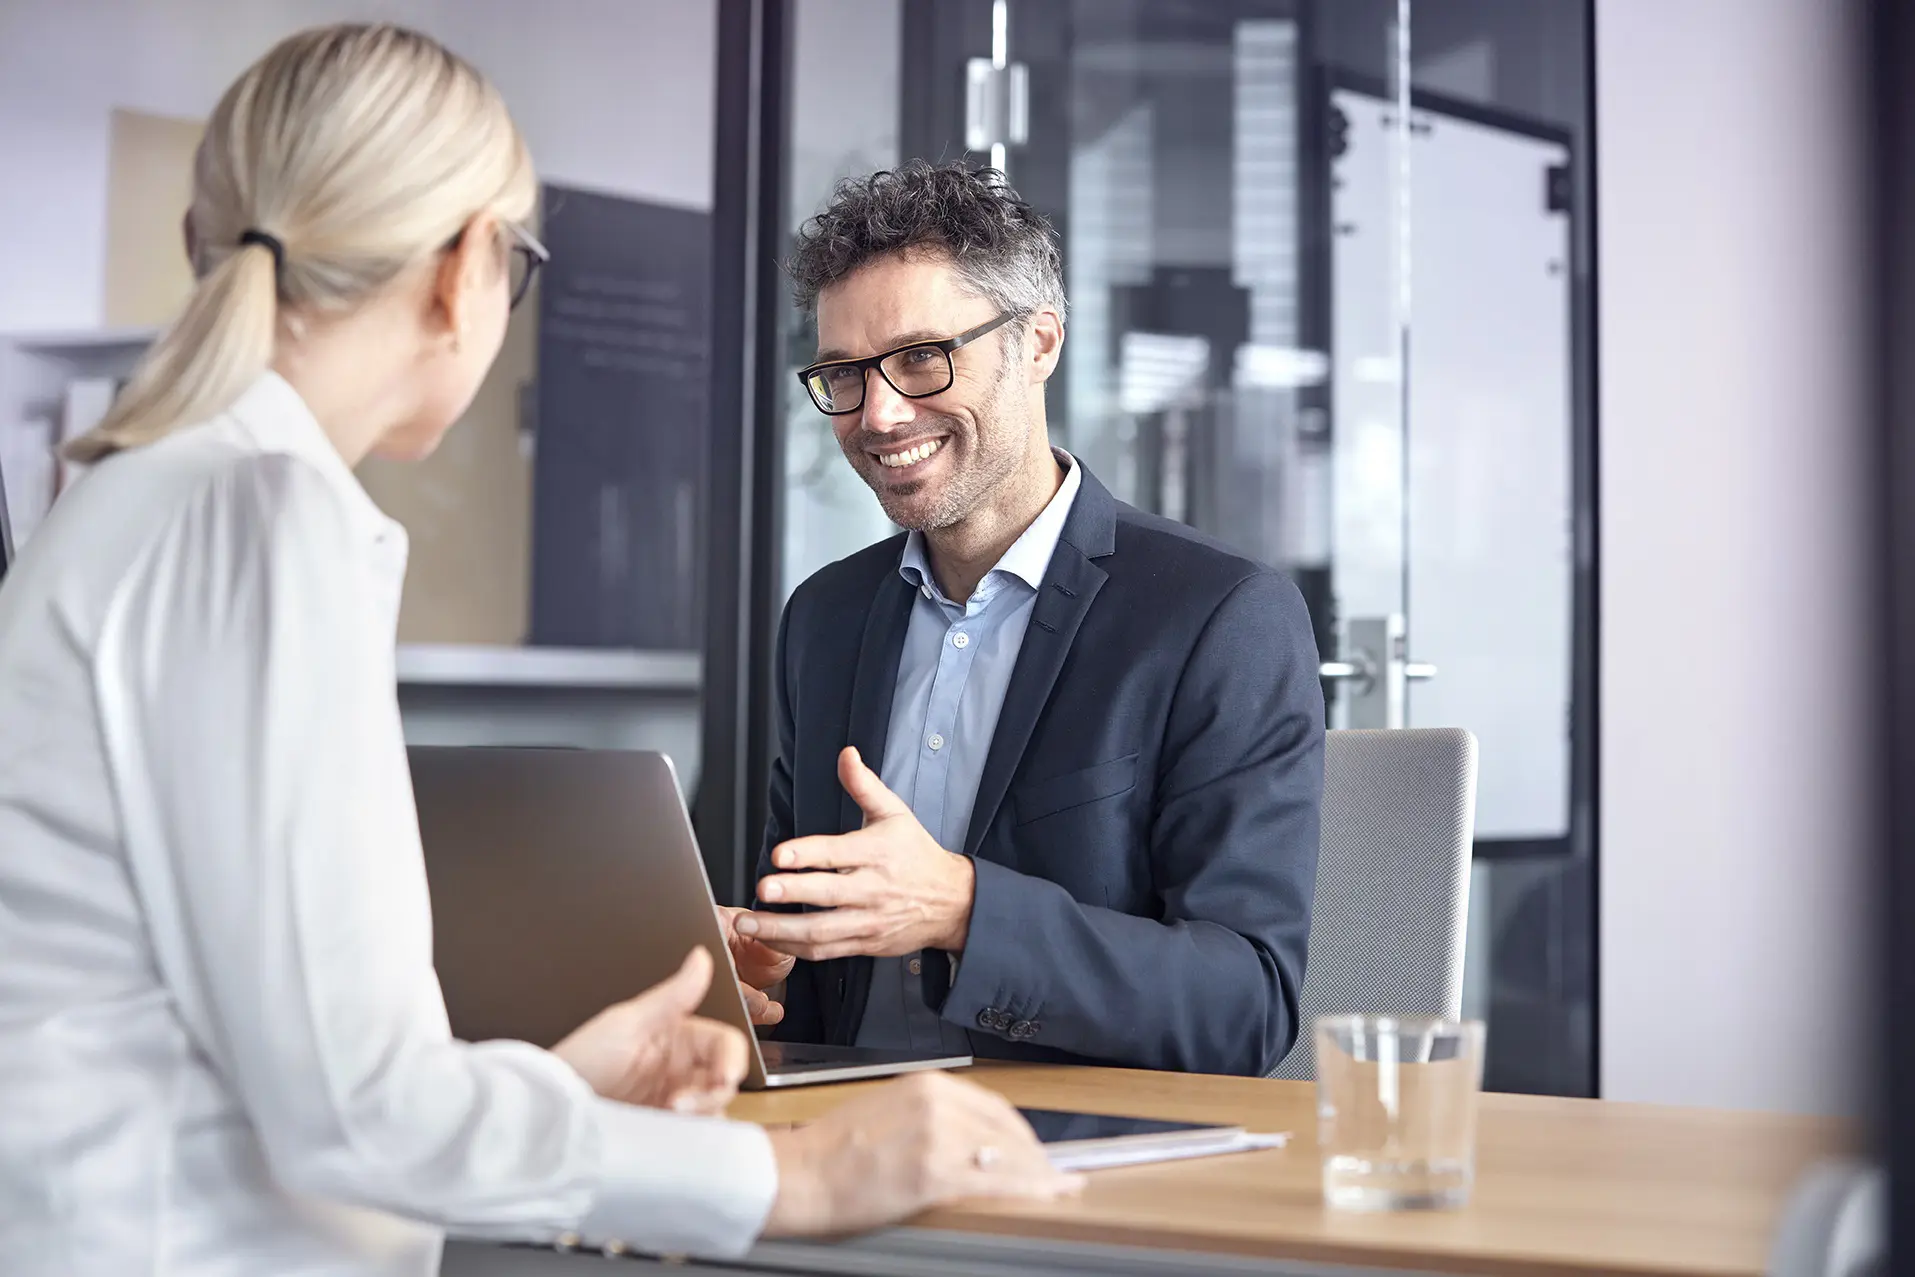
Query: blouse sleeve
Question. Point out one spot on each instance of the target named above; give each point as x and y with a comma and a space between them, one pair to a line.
245, 679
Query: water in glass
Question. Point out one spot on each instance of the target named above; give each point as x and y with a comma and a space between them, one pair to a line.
1396, 1110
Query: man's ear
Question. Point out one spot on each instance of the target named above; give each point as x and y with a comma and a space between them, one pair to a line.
1047, 344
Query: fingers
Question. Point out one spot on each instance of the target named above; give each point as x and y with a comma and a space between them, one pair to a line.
679, 995
717, 1059
873, 799
824, 851
757, 954
815, 937
985, 1147
824, 889
763, 1009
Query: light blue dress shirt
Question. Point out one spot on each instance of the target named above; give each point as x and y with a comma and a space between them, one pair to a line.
952, 676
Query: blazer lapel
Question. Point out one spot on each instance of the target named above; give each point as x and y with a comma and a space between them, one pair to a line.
873, 684
1070, 586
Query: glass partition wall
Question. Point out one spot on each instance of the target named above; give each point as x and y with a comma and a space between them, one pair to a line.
1328, 272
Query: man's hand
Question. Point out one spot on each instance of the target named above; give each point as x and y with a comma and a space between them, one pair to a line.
895, 890
761, 969
653, 1050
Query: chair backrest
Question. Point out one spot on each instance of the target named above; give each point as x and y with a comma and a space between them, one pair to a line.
1392, 900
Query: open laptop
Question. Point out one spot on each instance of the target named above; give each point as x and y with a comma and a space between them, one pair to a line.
566, 880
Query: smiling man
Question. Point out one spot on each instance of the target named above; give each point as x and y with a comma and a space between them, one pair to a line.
1091, 831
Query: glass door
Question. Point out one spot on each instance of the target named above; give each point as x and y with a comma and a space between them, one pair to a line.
1182, 149
1322, 309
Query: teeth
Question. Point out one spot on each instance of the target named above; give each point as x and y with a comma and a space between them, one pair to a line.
910, 456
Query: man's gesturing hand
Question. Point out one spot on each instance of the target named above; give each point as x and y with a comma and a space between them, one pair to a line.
895, 891
761, 969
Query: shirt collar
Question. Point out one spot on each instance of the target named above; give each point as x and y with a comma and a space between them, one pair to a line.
1029, 557
273, 415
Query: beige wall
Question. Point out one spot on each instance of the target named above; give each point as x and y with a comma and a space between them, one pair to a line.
467, 509
149, 184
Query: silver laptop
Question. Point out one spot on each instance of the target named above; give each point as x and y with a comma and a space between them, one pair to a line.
566, 880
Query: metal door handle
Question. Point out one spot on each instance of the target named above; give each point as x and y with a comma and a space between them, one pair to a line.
1374, 672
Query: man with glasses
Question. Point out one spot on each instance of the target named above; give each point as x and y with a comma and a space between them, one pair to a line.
1064, 757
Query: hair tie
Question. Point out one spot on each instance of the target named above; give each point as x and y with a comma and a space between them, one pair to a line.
272, 245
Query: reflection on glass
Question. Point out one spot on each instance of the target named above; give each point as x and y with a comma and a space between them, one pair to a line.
842, 126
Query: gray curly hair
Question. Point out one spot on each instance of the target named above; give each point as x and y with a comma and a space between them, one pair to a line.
1002, 248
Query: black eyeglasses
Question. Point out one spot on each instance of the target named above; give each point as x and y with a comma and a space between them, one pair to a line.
528, 255
917, 371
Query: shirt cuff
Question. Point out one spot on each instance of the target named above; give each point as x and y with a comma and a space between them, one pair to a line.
672, 1184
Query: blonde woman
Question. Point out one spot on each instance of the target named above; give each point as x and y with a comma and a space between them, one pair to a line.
223, 1049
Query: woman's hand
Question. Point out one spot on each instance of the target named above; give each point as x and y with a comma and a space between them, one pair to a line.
761, 969
654, 1051
926, 1139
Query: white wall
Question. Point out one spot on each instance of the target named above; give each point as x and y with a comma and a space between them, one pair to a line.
1734, 599
612, 94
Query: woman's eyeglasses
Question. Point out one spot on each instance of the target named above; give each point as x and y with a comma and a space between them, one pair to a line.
528, 256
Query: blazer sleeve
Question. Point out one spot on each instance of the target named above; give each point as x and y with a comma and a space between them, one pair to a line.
1211, 987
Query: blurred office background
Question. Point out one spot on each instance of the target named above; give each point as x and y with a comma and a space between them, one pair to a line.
1522, 332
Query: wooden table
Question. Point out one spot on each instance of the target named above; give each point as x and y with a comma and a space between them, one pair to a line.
1563, 1187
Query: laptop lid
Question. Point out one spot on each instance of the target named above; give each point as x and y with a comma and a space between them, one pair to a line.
562, 881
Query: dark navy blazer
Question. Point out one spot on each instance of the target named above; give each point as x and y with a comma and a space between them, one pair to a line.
1145, 830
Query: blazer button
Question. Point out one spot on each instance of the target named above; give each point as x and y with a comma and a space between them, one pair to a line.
1021, 1030
987, 1018
1002, 1022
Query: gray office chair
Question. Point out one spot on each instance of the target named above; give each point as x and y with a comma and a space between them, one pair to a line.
1392, 903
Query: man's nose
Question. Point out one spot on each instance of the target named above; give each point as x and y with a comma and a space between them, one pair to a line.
884, 408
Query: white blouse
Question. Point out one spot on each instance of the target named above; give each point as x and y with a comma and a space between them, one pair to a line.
223, 1049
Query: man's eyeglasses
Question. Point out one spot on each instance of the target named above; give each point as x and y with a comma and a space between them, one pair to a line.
917, 371
528, 255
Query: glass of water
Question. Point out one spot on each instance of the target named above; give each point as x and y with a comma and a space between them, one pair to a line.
1396, 1110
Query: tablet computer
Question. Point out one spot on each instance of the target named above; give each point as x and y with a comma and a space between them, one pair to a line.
1089, 1141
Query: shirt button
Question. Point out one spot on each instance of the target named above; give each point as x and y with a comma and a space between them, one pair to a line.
936, 742
960, 640
915, 966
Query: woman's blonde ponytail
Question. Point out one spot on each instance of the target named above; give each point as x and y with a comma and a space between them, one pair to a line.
344, 156
218, 346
